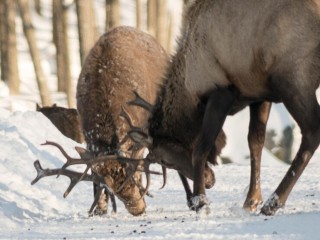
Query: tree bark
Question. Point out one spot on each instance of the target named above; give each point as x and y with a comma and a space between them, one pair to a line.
87, 29
3, 41
152, 17
35, 55
12, 57
162, 22
37, 6
139, 14
60, 38
112, 14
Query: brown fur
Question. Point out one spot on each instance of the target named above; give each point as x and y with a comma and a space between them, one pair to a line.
122, 60
232, 54
65, 119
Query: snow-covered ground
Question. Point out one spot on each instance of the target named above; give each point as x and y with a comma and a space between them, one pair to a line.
41, 212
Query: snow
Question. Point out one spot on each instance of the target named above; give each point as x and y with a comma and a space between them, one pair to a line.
40, 212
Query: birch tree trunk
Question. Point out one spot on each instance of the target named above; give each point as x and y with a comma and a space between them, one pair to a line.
112, 14
3, 41
139, 14
152, 17
60, 38
35, 55
87, 28
162, 22
12, 57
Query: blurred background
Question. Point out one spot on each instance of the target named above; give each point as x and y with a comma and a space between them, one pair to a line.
44, 42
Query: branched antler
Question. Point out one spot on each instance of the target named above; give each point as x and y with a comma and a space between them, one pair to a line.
88, 159
139, 143
75, 177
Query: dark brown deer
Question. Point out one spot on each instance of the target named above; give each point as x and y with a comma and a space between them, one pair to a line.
233, 54
66, 121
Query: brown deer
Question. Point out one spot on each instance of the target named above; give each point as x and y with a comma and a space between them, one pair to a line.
123, 63
233, 54
66, 121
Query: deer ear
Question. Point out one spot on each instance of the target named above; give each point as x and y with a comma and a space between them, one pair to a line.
141, 137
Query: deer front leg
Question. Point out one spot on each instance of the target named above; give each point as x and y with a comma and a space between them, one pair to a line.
187, 190
102, 203
217, 107
259, 114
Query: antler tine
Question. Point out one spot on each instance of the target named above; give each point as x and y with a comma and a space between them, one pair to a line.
40, 172
148, 172
126, 116
70, 160
139, 101
164, 172
129, 176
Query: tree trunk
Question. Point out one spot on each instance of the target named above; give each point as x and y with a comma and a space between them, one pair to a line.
13, 71
3, 41
112, 14
35, 55
86, 27
152, 17
37, 6
162, 23
138, 14
60, 38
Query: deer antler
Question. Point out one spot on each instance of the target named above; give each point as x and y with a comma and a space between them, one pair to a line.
139, 143
87, 158
75, 177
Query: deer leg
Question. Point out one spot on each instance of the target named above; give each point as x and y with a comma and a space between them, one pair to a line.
305, 109
259, 114
218, 105
102, 203
187, 190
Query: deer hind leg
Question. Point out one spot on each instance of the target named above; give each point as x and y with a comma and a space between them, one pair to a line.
259, 114
304, 108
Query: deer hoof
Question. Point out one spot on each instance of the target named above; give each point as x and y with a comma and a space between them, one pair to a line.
100, 212
197, 202
272, 205
251, 205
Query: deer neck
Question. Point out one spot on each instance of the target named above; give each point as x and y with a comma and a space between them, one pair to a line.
177, 112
